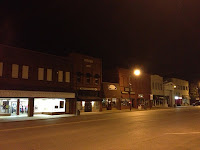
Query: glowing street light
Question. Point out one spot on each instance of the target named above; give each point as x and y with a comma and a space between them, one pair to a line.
137, 72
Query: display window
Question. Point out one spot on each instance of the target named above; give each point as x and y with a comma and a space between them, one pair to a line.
49, 105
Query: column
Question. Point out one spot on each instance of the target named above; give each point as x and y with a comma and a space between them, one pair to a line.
18, 106
30, 107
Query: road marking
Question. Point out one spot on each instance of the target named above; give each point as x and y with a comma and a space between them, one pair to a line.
183, 133
58, 124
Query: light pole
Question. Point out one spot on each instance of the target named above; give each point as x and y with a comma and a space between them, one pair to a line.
136, 72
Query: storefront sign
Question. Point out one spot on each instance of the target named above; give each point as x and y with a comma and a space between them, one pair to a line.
112, 87
88, 60
88, 89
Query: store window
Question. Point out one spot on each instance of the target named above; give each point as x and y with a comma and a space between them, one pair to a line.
40, 73
1, 69
25, 72
15, 71
67, 76
49, 74
60, 76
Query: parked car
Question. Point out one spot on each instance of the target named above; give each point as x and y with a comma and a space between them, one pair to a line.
197, 103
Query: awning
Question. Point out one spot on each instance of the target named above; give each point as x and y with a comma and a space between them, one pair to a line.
43, 94
89, 98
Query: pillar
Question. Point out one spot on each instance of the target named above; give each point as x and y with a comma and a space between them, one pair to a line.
72, 106
18, 106
30, 107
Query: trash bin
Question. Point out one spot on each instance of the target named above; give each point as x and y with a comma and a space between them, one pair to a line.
139, 107
78, 112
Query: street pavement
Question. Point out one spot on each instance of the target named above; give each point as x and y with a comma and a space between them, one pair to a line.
171, 129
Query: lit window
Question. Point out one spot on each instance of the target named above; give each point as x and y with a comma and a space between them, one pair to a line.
60, 76
15, 71
40, 73
49, 74
1, 69
67, 76
25, 72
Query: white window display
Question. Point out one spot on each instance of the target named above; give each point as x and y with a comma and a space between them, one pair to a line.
49, 105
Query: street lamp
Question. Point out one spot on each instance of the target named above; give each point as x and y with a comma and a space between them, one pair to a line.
136, 72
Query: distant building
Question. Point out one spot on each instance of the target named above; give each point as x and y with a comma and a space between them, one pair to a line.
169, 93
194, 92
157, 91
86, 81
140, 87
33, 82
181, 91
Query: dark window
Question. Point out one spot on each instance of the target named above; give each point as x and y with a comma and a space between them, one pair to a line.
96, 79
61, 104
88, 76
78, 76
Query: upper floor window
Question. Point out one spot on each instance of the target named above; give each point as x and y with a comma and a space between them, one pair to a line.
152, 85
1, 69
40, 73
96, 79
60, 76
78, 77
15, 71
183, 87
25, 72
67, 76
88, 76
49, 74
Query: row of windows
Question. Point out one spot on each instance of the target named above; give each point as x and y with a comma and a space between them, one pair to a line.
180, 87
88, 80
157, 86
25, 73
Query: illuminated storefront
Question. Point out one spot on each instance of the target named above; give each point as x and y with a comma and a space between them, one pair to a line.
47, 105
13, 106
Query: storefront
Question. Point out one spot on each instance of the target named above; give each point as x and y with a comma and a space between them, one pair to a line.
27, 103
111, 96
13, 106
159, 101
49, 105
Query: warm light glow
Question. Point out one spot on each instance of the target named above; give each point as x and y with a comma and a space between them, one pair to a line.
92, 103
174, 86
83, 103
137, 72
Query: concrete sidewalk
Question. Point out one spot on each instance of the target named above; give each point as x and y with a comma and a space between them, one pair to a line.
43, 116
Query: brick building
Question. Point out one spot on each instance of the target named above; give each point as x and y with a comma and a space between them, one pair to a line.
33, 82
139, 86
86, 81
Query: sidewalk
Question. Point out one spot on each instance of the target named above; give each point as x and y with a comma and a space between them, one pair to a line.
43, 116
35, 117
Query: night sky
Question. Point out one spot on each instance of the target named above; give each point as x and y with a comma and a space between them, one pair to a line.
163, 36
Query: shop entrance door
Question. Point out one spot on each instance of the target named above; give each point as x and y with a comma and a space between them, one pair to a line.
88, 106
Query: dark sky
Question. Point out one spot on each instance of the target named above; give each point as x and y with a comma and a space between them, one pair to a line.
161, 35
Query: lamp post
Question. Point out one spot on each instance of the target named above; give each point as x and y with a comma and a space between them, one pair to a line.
136, 72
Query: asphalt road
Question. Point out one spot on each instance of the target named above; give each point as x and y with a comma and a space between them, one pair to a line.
171, 129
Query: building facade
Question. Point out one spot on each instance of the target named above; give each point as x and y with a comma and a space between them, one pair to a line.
86, 81
169, 93
181, 91
111, 95
157, 91
135, 90
33, 82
